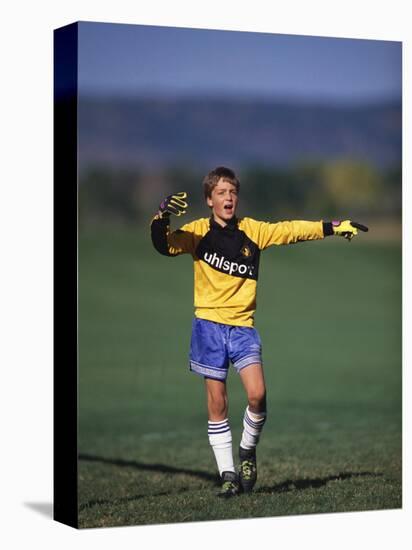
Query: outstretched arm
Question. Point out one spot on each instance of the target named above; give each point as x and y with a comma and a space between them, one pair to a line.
266, 234
288, 232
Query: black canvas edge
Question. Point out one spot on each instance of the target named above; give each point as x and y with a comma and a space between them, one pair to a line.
65, 305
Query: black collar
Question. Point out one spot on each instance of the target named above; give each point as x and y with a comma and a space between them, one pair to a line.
230, 226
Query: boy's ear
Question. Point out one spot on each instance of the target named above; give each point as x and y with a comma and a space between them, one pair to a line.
209, 202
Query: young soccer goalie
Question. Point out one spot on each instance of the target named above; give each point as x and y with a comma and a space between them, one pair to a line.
226, 253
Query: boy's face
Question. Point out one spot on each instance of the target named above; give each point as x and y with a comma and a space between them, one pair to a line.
223, 201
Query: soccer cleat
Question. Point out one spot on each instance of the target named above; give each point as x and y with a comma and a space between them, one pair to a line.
230, 485
247, 469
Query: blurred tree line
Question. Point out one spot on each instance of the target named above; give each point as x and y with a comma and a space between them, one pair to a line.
309, 189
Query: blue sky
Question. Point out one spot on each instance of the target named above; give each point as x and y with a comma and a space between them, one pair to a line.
150, 60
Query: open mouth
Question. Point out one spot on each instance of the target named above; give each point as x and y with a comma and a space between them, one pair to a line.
228, 207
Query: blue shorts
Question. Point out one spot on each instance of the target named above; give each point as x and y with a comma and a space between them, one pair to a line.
213, 345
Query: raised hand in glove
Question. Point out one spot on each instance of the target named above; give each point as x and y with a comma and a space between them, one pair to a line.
347, 228
173, 204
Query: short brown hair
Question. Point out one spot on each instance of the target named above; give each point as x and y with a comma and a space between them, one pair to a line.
221, 172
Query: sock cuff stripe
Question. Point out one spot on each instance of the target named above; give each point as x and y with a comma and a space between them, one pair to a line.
218, 428
223, 431
256, 425
263, 419
252, 423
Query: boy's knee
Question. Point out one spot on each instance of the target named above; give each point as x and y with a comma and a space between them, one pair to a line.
257, 400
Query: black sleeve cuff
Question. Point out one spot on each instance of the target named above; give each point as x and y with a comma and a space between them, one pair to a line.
159, 227
327, 229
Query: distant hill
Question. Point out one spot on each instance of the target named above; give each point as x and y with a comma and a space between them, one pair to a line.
207, 132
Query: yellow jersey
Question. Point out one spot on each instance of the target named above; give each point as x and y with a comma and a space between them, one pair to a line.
226, 259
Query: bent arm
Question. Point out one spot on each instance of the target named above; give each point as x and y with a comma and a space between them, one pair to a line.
167, 242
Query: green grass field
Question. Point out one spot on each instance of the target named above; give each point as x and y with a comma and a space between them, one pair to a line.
329, 314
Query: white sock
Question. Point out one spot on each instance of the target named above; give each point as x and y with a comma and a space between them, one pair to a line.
220, 438
252, 427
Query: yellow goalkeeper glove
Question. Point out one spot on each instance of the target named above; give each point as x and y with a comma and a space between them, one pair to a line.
173, 204
347, 228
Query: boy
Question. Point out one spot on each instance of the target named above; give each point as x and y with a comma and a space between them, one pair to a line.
226, 253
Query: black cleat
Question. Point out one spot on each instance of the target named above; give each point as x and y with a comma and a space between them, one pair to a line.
230, 485
247, 469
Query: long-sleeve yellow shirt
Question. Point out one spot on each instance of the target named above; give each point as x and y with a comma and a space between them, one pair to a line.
226, 259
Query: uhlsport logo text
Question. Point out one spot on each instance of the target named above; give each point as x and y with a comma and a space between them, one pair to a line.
232, 268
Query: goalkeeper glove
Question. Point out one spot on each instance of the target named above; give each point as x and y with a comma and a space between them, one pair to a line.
173, 204
347, 228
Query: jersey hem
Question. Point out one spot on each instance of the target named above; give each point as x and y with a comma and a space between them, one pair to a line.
207, 316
